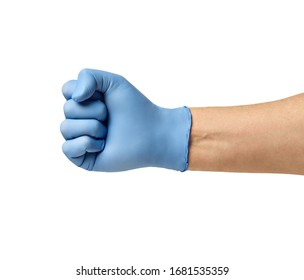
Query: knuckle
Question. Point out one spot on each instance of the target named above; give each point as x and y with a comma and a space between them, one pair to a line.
95, 128
68, 107
85, 141
64, 127
102, 110
84, 71
65, 148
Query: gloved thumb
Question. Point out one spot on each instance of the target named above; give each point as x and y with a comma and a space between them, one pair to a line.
85, 87
91, 81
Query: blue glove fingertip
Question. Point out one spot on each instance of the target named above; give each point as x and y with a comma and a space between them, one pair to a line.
86, 86
68, 88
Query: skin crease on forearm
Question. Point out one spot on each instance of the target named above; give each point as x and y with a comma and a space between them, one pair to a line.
259, 138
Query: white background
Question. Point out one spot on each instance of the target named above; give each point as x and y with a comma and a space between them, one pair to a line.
56, 217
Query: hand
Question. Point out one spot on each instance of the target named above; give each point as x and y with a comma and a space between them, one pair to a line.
111, 126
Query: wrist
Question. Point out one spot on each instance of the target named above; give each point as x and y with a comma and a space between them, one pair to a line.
206, 143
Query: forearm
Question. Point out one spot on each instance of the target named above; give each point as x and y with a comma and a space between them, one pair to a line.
267, 137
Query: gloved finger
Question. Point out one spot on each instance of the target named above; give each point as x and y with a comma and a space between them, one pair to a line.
85, 110
68, 88
79, 146
90, 80
97, 95
75, 128
86, 86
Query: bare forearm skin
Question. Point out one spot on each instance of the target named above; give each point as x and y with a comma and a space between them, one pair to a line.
264, 138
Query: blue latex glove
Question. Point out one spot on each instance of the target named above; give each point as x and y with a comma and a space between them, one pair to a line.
111, 126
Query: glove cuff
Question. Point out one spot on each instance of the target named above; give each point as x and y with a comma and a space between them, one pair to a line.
174, 143
186, 151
